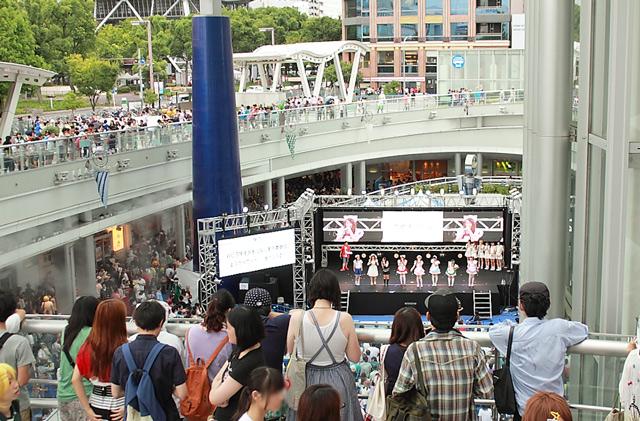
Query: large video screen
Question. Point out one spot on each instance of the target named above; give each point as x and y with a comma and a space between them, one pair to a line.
432, 226
250, 253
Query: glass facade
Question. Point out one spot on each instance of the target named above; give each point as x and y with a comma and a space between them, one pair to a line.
409, 7
385, 62
492, 7
409, 31
434, 7
459, 7
356, 8
459, 31
411, 62
492, 31
433, 32
385, 31
385, 8
357, 32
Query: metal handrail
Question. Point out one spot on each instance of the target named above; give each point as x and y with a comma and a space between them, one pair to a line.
366, 108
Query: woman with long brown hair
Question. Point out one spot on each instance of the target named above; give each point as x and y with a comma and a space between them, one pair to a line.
109, 331
406, 328
320, 402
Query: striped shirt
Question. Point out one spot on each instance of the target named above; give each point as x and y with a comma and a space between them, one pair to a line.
455, 371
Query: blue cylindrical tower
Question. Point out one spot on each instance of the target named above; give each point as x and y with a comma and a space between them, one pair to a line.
217, 182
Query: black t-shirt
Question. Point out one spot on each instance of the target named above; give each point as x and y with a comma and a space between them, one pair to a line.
239, 370
275, 344
15, 412
392, 363
166, 372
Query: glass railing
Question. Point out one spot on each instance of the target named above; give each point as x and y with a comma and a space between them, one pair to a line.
597, 387
37, 154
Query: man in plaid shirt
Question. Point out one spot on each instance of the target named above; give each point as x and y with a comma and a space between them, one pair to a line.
454, 367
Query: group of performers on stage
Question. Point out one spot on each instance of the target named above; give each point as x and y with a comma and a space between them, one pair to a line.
480, 256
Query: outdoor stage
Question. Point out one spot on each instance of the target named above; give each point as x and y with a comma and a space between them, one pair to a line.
380, 299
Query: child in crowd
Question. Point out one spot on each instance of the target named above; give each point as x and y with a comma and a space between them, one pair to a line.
264, 392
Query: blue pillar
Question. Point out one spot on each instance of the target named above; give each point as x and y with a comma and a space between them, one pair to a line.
217, 183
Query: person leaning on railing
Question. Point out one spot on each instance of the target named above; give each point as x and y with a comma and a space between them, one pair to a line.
539, 346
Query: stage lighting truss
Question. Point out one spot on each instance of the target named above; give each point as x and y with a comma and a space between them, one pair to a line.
299, 215
391, 248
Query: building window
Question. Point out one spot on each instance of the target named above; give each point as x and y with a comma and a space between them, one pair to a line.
459, 31
385, 62
385, 31
366, 61
356, 8
365, 8
434, 32
409, 7
459, 7
409, 31
492, 31
489, 3
434, 7
410, 62
385, 8
357, 32
432, 65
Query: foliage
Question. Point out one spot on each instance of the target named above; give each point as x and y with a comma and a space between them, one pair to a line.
331, 76
18, 42
92, 76
25, 105
576, 22
72, 102
124, 89
149, 96
52, 129
317, 30
392, 87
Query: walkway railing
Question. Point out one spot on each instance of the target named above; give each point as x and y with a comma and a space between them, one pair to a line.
53, 151
259, 120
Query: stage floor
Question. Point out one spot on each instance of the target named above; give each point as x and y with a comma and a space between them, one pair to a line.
486, 281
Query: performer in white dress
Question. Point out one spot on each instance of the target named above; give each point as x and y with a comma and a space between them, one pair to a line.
357, 269
472, 270
452, 270
499, 256
492, 256
418, 270
481, 250
373, 269
467, 252
402, 269
434, 270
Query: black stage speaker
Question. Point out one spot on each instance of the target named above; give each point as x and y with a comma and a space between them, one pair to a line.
268, 282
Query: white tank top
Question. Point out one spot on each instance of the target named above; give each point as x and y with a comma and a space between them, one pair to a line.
312, 342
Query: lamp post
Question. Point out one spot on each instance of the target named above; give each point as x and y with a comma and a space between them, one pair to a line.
273, 32
148, 23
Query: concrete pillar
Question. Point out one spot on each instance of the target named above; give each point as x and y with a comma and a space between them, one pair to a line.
84, 256
479, 161
346, 178
268, 193
64, 275
547, 150
458, 164
360, 175
282, 191
180, 229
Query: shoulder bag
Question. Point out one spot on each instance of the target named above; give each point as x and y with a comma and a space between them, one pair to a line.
503, 390
411, 405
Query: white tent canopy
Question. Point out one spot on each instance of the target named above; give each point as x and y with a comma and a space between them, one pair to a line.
17, 75
314, 52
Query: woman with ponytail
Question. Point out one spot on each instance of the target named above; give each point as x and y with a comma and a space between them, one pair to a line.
203, 340
264, 392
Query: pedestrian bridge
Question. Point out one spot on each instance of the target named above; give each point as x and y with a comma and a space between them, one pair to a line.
49, 196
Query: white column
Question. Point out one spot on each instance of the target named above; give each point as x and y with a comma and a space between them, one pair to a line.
84, 256
336, 61
354, 76
276, 77
479, 162
318, 84
9, 109
282, 193
268, 193
181, 235
303, 76
346, 178
360, 177
243, 77
64, 275
263, 76
458, 164
547, 151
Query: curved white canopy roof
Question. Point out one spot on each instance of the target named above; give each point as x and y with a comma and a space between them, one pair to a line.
315, 52
12, 72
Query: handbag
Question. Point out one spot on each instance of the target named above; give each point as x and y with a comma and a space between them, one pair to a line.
616, 413
377, 405
296, 375
503, 390
411, 405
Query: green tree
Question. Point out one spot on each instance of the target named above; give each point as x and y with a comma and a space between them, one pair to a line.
331, 76
72, 102
149, 97
92, 76
392, 87
317, 30
18, 44
180, 43
576, 22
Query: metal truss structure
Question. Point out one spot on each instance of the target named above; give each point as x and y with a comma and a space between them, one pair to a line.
397, 248
113, 10
515, 205
298, 215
